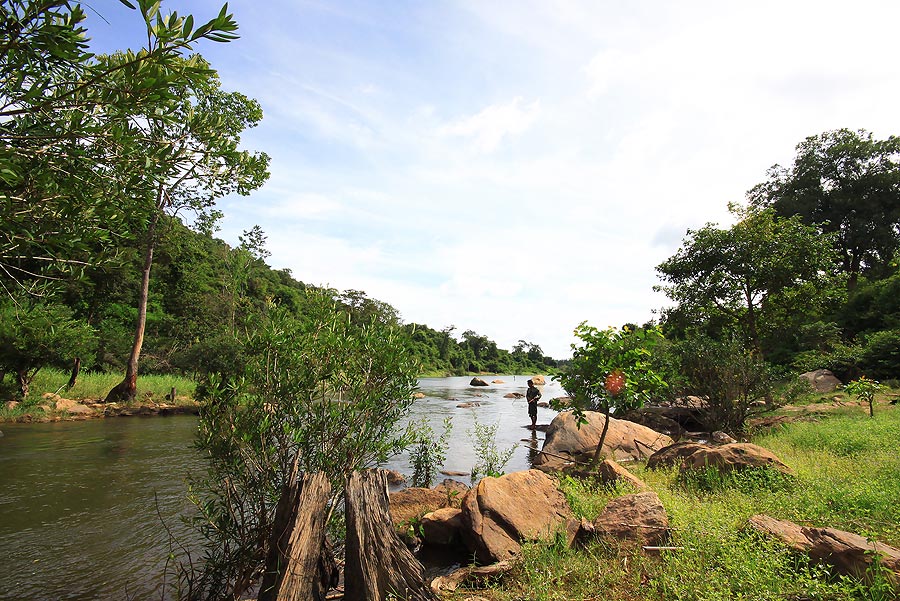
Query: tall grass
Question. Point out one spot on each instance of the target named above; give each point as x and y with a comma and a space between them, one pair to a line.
847, 476
95, 386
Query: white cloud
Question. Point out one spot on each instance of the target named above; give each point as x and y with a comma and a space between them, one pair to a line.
488, 128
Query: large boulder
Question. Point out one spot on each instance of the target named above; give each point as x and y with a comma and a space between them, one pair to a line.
848, 553
538, 380
566, 442
477, 382
500, 513
822, 380
639, 518
727, 457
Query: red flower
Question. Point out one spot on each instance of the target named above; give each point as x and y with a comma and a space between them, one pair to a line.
615, 382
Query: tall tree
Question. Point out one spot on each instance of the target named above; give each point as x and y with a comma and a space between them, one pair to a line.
192, 159
760, 268
63, 110
848, 184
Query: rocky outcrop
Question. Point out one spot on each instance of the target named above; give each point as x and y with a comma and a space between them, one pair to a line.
538, 380
848, 553
639, 518
477, 382
655, 418
566, 442
822, 380
727, 457
500, 513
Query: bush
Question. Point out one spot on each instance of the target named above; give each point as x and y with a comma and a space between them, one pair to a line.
730, 377
427, 454
489, 461
880, 357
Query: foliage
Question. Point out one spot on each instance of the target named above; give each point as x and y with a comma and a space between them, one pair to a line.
730, 378
715, 555
318, 390
749, 277
846, 184
865, 390
489, 460
611, 370
427, 454
35, 334
66, 156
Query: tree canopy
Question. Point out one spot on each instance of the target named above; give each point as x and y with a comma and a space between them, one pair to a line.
750, 274
844, 183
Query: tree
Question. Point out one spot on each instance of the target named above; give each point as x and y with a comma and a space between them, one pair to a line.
847, 184
192, 159
611, 371
63, 158
747, 276
34, 334
318, 390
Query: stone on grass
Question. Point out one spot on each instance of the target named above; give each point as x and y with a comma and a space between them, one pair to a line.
848, 553
639, 518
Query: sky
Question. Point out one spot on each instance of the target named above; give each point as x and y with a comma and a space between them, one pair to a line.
518, 167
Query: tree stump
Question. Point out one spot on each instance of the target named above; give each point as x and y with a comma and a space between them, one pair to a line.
299, 565
378, 564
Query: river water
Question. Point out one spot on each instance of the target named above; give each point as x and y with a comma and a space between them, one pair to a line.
83, 504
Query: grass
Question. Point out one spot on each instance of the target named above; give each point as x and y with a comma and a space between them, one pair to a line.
93, 386
847, 476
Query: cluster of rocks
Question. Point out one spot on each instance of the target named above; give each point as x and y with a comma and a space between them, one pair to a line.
56, 408
492, 520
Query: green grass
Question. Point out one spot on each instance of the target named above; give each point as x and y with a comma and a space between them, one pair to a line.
847, 476
92, 386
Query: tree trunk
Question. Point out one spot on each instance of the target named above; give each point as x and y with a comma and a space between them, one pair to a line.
378, 564
598, 453
126, 390
299, 565
23, 381
76, 369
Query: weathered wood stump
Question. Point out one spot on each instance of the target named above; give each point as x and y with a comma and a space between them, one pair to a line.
300, 566
378, 564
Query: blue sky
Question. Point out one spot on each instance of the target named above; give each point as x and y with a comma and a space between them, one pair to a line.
517, 167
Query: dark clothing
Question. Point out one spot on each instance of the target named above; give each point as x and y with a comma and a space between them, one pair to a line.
532, 395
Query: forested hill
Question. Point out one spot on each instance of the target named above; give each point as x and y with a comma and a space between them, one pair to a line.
204, 293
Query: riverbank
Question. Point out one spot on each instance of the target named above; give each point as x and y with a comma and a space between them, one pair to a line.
847, 477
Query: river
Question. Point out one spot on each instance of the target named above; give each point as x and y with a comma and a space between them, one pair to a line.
82, 504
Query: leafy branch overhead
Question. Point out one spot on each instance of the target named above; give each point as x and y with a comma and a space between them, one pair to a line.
67, 151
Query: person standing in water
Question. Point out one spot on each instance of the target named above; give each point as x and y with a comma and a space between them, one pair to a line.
532, 395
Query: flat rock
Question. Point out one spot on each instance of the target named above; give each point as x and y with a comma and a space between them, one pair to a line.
848, 553
410, 504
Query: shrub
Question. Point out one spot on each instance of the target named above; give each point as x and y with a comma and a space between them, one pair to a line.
427, 454
730, 377
490, 461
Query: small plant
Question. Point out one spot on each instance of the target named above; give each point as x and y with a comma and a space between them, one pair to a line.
490, 460
865, 390
428, 454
